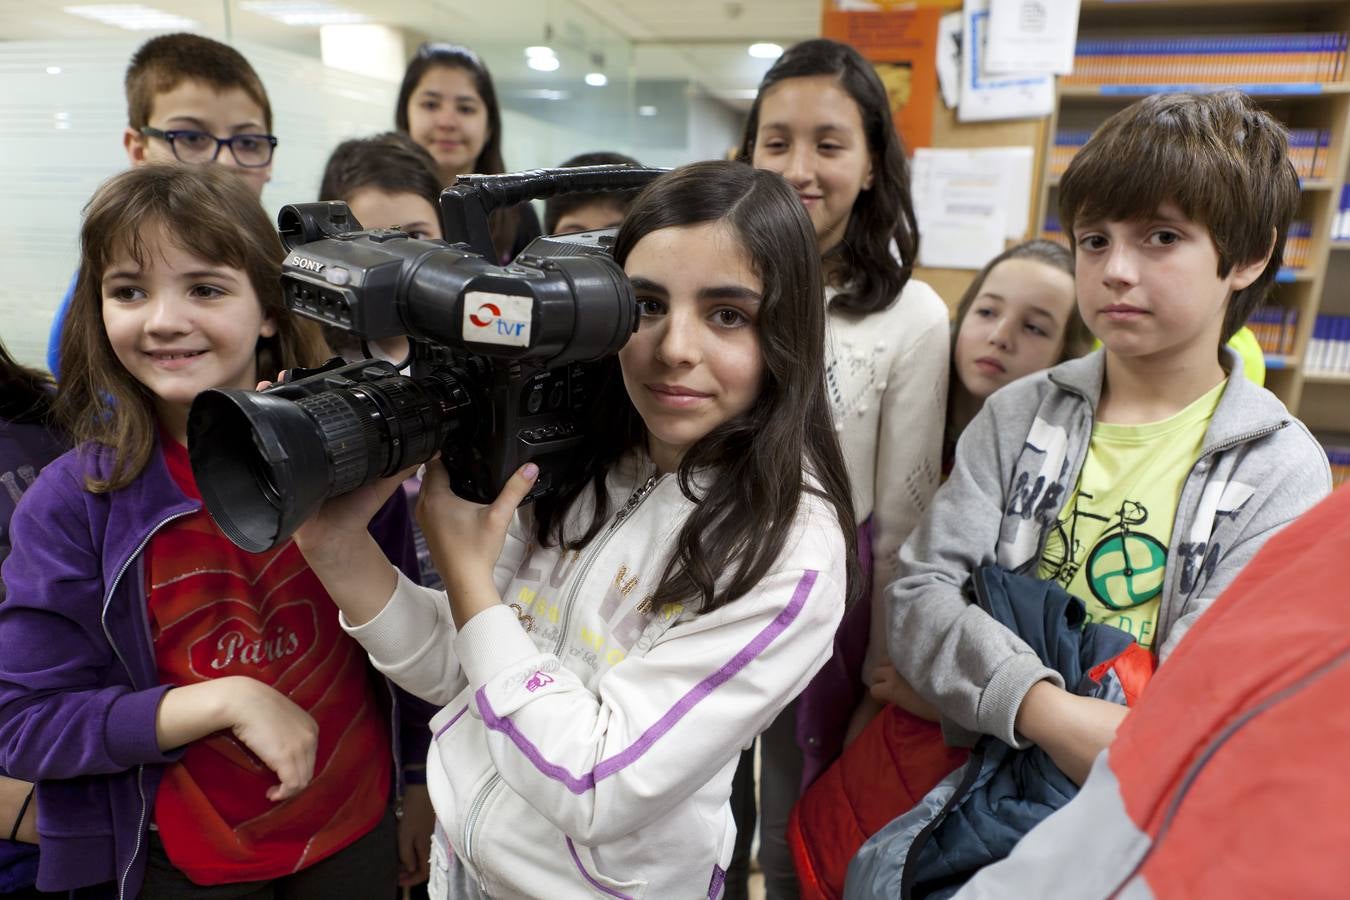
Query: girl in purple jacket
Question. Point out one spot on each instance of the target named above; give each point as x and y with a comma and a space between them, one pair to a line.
192, 714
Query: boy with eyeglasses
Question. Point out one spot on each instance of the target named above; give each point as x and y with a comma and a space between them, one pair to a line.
195, 100
191, 100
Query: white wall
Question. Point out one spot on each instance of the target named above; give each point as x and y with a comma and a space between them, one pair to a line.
60, 136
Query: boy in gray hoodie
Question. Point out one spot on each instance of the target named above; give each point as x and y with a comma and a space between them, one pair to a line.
1141, 477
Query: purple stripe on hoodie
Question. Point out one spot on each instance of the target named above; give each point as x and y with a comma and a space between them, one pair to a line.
618, 762
719, 878
453, 719
571, 848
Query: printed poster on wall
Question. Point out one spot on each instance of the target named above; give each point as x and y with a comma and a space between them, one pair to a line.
902, 45
1032, 35
986, 96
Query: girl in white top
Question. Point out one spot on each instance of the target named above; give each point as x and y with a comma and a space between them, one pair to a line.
604, 655
822, 119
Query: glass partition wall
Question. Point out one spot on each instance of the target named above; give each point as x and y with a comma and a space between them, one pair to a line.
331, 71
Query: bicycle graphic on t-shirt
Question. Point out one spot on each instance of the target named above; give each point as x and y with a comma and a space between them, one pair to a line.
1125, 566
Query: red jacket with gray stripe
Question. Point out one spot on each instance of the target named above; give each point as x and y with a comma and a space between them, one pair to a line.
1228, 779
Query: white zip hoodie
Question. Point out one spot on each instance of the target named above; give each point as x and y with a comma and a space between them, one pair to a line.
592, 755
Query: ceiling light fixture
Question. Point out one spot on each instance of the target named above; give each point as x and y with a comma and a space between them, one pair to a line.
538, 51
597, 79
542, 94
647, 110
543, 63
133, 17
765, 50
303, 13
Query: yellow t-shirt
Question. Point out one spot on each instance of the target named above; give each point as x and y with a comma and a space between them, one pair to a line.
1117, 523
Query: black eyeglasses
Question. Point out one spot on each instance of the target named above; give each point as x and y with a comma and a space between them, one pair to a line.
250, 150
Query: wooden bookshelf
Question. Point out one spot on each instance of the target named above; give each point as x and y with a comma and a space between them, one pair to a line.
1322, 400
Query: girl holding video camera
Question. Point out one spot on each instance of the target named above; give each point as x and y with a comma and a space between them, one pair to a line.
822, 120
604, 654
191, 713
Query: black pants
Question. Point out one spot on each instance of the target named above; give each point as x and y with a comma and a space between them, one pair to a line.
366, 868
30, 893
743, 813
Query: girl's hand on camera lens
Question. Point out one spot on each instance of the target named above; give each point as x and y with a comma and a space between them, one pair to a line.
327, 536
465, 538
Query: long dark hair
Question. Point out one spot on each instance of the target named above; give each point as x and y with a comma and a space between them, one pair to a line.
501, 222
99, 400
760, 462
25, 394
861, 265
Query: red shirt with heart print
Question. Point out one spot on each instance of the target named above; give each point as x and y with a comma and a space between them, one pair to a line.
215, 611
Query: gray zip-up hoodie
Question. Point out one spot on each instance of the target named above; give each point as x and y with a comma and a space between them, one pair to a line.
1016, 464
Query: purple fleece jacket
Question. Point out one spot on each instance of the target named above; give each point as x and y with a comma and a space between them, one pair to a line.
78, 686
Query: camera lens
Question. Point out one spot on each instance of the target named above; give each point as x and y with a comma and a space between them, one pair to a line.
264, 463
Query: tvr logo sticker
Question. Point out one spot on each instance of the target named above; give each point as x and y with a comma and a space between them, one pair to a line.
497, 319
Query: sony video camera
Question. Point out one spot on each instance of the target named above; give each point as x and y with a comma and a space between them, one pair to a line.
501, 357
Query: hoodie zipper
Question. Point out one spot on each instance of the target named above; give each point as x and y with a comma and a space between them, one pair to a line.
630, 506
103, 621
480, 800
471, 821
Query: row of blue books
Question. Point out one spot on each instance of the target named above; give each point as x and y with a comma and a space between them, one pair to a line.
1309, 150
1329, 348
1339, 457
1275, 328
1306, 57
1340, 229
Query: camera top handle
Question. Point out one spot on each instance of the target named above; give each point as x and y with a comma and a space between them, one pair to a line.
466, 204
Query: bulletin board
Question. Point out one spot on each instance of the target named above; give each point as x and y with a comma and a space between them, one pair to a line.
906, 32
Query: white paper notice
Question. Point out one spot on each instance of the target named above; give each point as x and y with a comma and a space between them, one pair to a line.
949, 58
985, 96
959, 242
1032, 35
969, 202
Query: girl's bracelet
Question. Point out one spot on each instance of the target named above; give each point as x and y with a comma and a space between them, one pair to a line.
526, 620
23, 810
